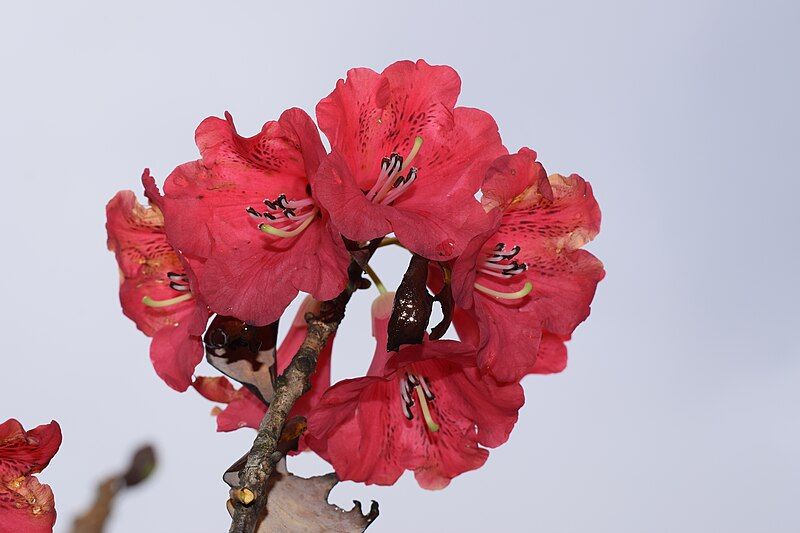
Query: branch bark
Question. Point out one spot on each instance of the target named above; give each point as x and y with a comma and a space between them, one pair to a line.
249, 500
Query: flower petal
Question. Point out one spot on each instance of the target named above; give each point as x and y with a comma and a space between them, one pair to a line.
552, 355
217, 389
256, 279
26, 452
245, 410
26, 506
176, 350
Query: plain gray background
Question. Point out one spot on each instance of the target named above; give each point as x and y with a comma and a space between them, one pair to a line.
679, 409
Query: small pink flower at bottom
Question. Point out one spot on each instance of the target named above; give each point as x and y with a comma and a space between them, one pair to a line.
425, 408
25, 504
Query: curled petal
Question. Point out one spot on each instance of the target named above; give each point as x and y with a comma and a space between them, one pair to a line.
26, 452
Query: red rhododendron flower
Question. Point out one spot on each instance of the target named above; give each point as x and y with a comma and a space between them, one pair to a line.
247, 209
157, 285
405, 158
245, 409
527, 274
25, 504
426, 409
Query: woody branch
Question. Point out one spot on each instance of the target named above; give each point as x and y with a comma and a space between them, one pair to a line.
250, 498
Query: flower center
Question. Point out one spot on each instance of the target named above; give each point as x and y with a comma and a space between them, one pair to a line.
500, 263
410, 384
391, 183
178, 283
287, 218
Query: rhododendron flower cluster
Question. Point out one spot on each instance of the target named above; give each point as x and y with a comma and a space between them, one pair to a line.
25, 504
231, 239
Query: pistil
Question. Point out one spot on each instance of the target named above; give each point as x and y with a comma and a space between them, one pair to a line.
524, 291
426, 413
150, 302
424, 394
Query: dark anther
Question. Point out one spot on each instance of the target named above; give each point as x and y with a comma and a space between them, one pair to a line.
178, 286
277, 204
514, 251
253, 212
412, 306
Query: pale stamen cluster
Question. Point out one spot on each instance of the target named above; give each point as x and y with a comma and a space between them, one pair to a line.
413, 383
391, 183
287, 218
500, 263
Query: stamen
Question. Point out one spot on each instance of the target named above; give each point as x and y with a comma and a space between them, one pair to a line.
272, 230
287, 217
404, 392
407, 411
399, 189
296, 204
390, 182
149, 302
175, 286
426, 413
500, 255
426, 389
277, 205
524, 291
290, 214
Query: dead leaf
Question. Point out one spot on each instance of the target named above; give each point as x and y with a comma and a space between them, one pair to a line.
296, 504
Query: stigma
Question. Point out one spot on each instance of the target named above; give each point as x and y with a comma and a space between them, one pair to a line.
285, 218
500, 262
393, 180
408, 386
